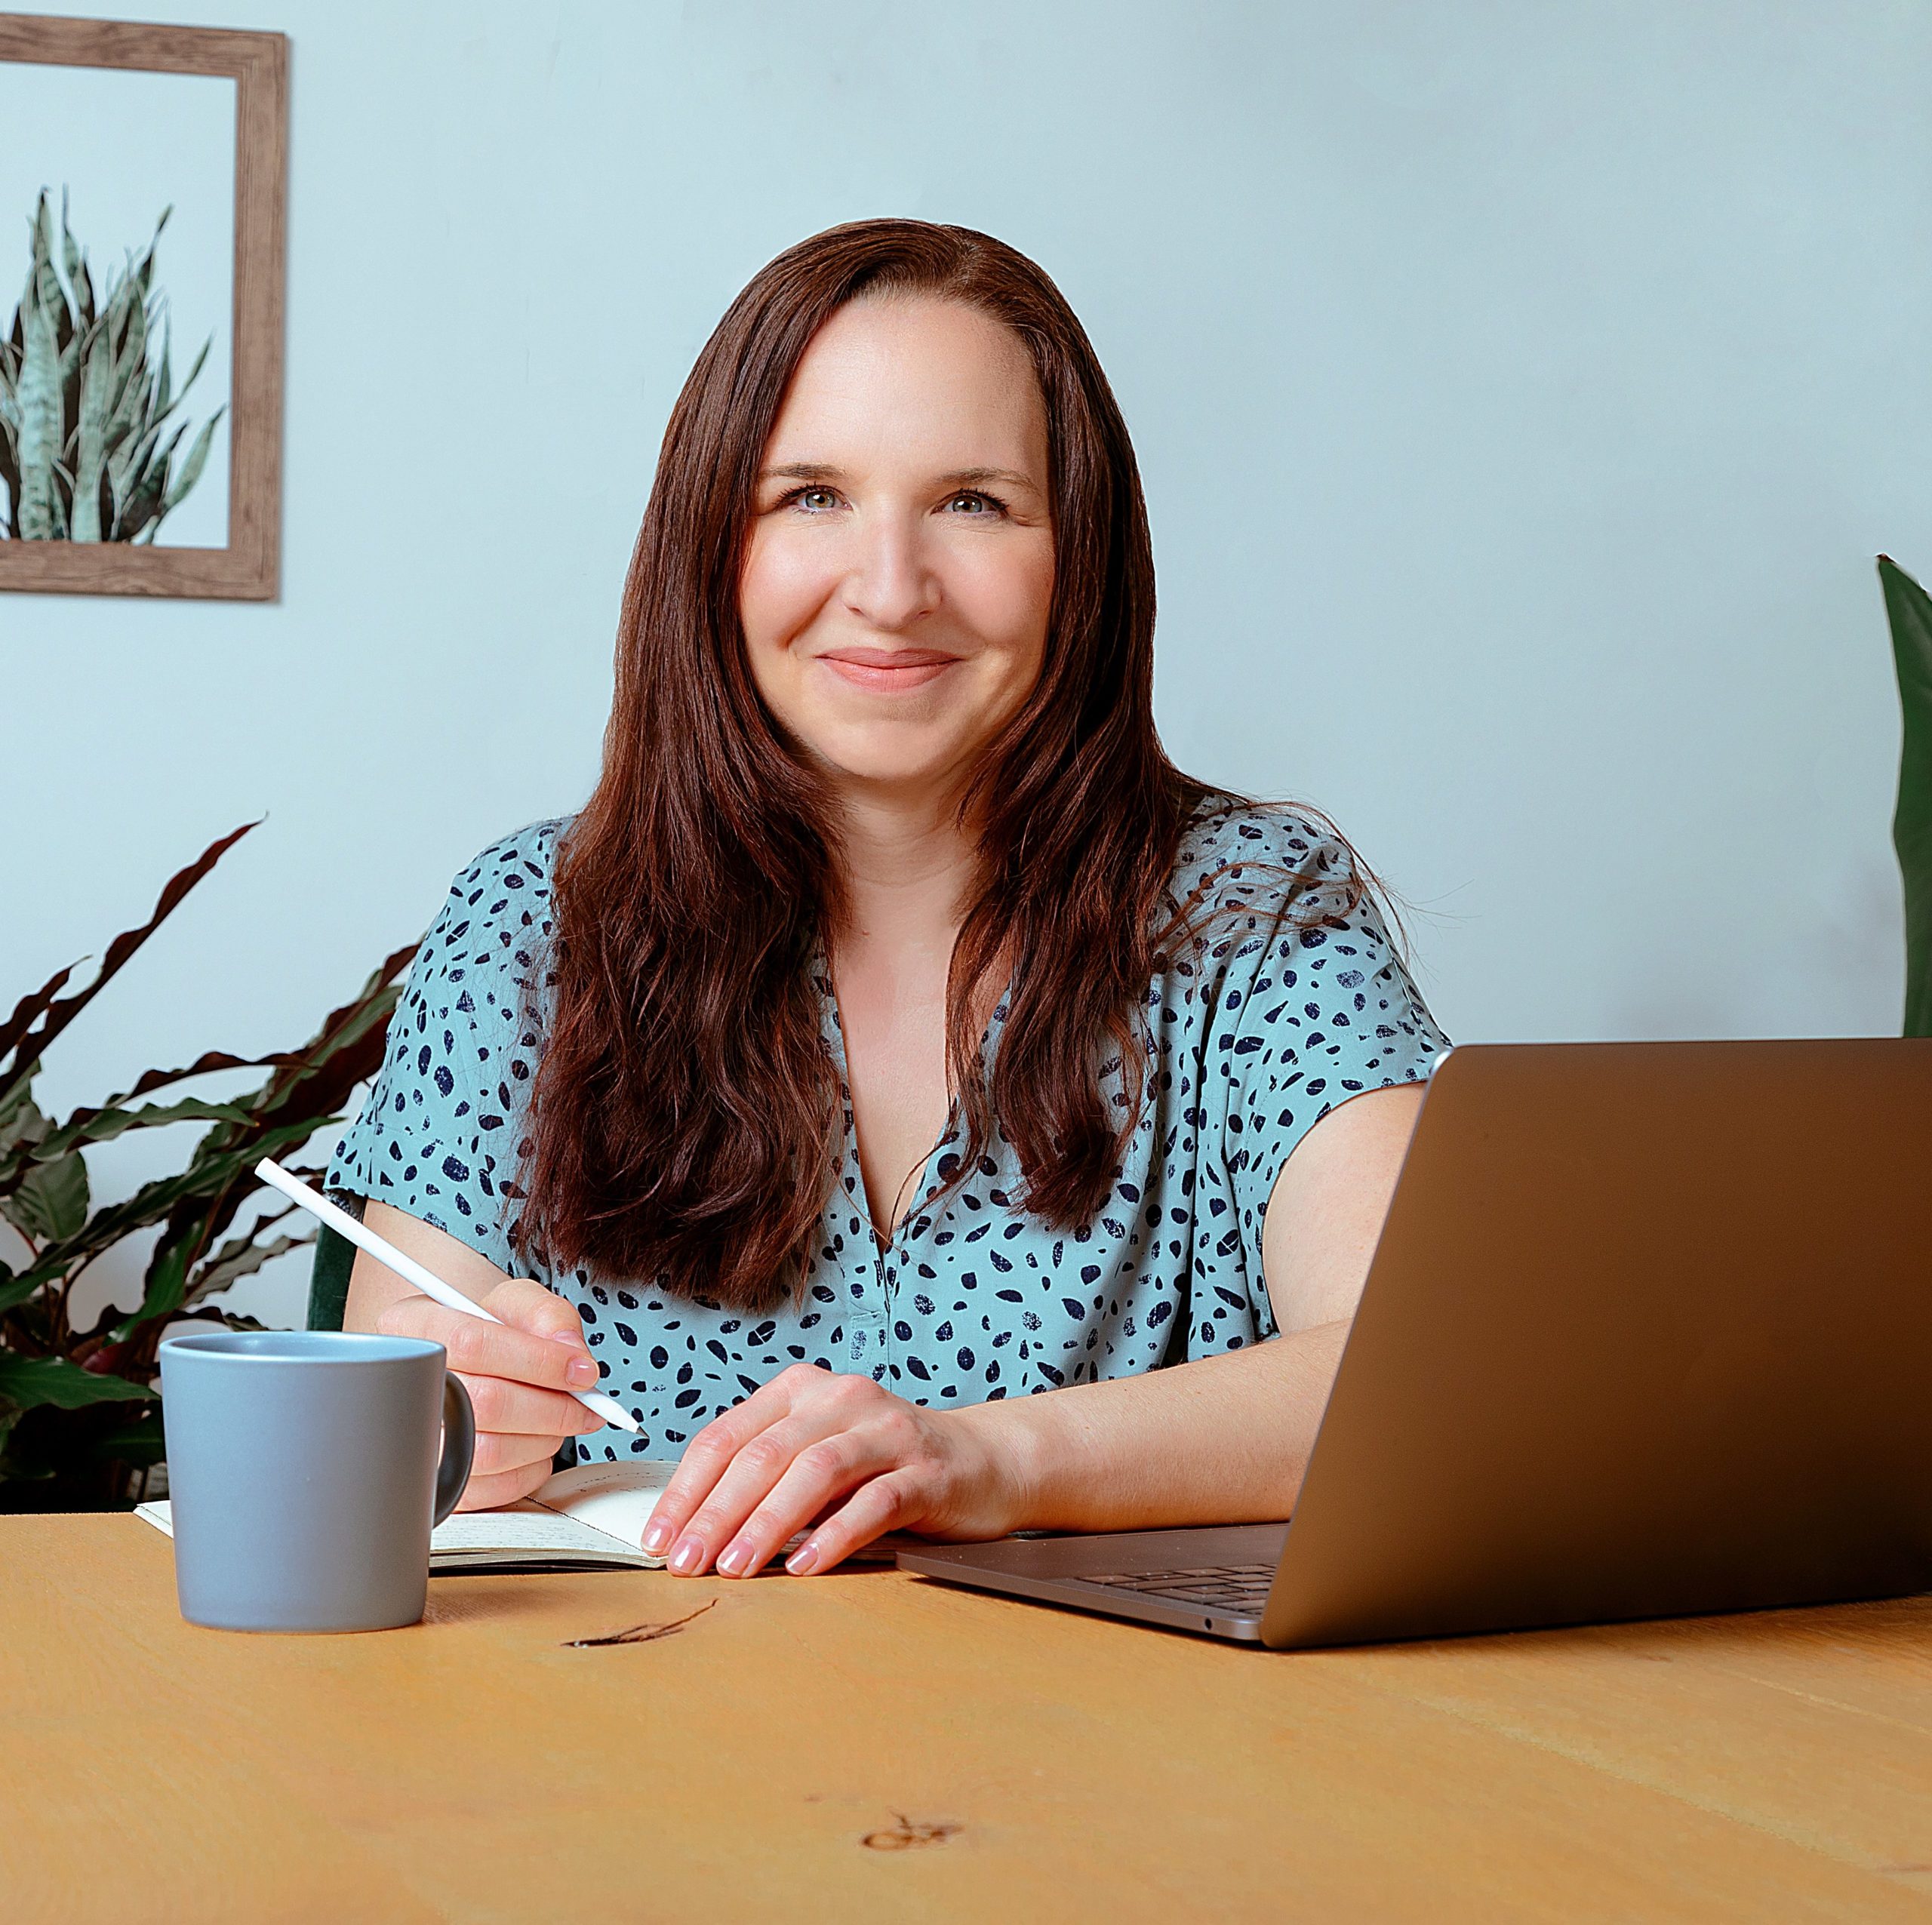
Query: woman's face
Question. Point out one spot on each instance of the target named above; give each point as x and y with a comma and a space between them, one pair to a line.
895, 593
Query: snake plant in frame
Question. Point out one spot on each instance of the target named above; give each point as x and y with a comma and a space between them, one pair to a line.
88, 435
1909, 609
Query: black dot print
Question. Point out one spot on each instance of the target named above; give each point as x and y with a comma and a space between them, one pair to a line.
1255, 1032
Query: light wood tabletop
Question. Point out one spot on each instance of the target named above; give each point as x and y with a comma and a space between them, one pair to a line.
877, 1746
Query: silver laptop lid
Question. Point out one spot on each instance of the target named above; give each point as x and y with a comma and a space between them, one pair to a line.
1648, 1332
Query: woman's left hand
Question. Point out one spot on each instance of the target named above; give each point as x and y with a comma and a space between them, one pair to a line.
812, 1445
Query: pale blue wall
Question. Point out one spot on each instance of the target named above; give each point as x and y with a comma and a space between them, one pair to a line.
1522, 392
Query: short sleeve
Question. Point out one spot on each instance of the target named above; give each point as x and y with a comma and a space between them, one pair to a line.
1316, 1006
1306, 1003
439, 1132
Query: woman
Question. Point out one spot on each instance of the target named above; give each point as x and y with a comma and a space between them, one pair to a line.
896, 1030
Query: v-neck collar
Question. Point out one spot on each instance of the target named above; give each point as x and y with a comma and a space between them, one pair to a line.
850, 1178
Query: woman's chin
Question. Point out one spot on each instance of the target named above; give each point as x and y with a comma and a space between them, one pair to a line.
892, 770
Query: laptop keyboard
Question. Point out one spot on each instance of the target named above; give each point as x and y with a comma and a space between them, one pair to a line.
1241, 1589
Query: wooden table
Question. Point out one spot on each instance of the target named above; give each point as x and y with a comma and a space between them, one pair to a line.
875, 1746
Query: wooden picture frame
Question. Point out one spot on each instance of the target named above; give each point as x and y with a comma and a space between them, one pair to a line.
248, 569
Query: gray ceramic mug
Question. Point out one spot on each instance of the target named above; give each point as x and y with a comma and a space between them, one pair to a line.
305, 1475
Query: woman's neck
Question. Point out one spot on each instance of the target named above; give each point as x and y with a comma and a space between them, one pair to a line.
909, 872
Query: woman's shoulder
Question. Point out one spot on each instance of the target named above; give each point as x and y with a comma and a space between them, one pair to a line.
496, 914
1236, 849
522, 860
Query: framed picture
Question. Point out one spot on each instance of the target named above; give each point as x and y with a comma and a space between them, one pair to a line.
143, 175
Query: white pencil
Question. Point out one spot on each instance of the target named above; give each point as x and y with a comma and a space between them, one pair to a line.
411, 1271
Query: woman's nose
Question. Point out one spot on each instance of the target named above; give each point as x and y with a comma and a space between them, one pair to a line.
892, 583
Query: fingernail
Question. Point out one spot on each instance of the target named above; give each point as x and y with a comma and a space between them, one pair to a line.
689, 1554
656, 1536
734, 1558
580, 1371
802, 1560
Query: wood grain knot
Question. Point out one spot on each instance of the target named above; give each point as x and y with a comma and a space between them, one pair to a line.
905, 1834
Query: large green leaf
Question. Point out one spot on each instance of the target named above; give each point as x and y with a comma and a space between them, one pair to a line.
51, 1204
205, 1177
21, 1125
1910, 611
103, 1126
16, 1290
166, 1285
29, 1382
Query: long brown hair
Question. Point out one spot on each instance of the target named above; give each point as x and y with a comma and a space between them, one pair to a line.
682, 1122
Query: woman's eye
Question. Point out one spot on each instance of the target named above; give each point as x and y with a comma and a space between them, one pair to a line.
814, 499
978, 502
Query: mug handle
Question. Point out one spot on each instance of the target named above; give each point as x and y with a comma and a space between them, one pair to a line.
458, 1446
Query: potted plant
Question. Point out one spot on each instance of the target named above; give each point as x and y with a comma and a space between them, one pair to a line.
86, 451
80, 1411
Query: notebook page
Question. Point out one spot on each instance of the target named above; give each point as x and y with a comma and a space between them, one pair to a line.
592, 1510
525, 1531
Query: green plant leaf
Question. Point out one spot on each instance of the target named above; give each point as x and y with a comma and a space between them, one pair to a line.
205, 1064
166, 1284
142, 1441
16, 1290
50, 1203
21, 1125
91, 450
144, 499
1909, 609
238, 1258
41, 1016
30, 1381
230, 1320
103, 1126
70, 254
191, 469
161, 378
346, 1049
145, 273
204, 1178
39, 388
26, 1012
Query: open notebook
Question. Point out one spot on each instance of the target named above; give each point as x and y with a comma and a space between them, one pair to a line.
582, 1519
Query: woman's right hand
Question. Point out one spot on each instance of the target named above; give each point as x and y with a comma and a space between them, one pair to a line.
518, 1373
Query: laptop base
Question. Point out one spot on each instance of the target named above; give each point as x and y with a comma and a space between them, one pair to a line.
1103, 1573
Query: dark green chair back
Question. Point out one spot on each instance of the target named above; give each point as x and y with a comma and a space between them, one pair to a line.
328, 1281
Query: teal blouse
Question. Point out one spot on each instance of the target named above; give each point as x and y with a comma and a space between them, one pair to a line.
1260, 1028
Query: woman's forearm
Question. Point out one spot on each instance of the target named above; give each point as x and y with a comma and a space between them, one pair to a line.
1224, 1439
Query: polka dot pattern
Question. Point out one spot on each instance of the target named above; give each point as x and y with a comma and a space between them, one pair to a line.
1255, 1031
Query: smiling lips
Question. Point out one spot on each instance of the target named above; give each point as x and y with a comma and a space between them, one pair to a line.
891, 670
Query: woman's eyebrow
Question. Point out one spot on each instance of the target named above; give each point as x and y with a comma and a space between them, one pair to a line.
961, 478
966, 477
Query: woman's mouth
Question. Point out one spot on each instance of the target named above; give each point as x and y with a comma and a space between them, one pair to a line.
889, 670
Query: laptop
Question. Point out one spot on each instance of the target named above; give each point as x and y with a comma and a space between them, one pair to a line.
1647, 1333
